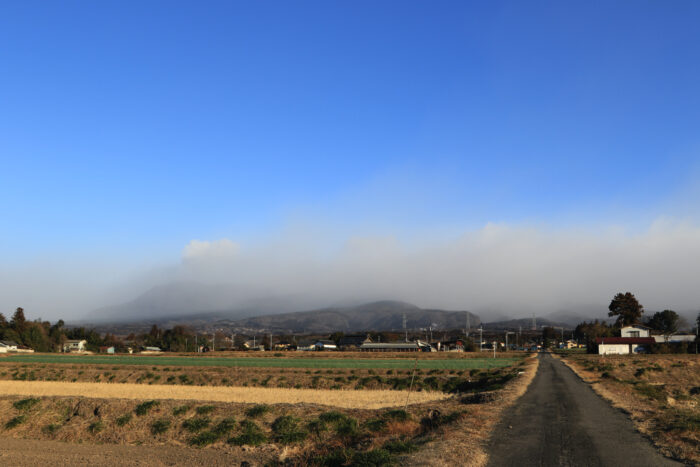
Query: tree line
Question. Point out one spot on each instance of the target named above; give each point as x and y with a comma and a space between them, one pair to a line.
627, 310
43, 336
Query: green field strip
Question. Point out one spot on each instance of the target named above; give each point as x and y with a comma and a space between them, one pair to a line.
359, 363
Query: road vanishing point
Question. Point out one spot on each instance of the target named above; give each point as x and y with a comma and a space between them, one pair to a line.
561, 421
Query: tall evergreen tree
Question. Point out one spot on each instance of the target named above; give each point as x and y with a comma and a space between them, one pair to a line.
627, 309
18, 321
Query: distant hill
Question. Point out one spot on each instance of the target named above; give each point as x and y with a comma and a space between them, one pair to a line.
524, 324
383, 315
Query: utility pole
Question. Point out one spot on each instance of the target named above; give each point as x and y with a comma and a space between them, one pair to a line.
196, 347
468, 325
213, 341
481, 339
508, 332
404, 327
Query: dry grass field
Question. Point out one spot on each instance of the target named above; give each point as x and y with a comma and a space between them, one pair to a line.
284, 415
661, 393
368, 399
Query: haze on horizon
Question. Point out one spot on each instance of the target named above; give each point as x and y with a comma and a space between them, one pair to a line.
504, 158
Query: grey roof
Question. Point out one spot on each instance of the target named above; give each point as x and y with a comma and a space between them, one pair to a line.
9, 343
386, 345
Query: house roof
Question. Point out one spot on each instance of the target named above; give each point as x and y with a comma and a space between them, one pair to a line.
625, 340
387, 345
636, 325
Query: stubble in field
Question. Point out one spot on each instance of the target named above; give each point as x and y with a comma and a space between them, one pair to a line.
367, 399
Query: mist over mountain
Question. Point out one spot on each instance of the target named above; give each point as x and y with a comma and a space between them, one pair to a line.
188, 299
386, 315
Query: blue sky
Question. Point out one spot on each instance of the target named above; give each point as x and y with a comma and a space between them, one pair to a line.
127, 129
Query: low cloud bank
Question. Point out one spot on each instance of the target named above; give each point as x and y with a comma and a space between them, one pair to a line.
511, 270
497, 270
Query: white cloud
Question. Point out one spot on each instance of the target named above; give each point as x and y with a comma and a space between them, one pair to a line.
209, 250
510, 268
506, 269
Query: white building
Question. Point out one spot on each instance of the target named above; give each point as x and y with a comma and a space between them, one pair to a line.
77, 345
8, 346
623, 345
634, 330
324, 344
673, 338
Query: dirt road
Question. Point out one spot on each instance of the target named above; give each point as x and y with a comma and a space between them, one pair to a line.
560, 421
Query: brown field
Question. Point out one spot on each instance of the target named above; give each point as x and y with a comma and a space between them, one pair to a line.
435, 428
298, 378
661, 393
368, 399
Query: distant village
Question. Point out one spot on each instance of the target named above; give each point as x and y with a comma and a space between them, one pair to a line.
627, 335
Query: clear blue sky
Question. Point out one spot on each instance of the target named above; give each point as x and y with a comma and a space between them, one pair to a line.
134, 127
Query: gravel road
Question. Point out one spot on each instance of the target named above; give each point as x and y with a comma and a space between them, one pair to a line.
561, 421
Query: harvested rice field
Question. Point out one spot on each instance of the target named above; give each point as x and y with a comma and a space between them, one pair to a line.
368, 399
435, 427
297, 378
282, 361
334, 409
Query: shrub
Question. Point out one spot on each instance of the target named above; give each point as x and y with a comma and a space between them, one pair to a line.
96, 427
177, 411
375, 424
16, 421
684, 421
144, 407
398, 446
316, 427
653, 392
224, 426
257, 410
25, 404
160, 426
196, 424
336, 458
347, 427
286, 430
252, 435
51, 428
204, 439
123, 420
398, 414
373, 458
204, 409
332, 416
